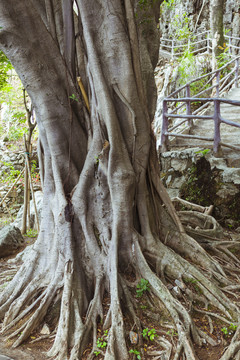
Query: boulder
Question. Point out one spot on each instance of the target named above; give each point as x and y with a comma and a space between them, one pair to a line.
10, 240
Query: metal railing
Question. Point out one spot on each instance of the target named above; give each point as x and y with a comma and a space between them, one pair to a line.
200, 42
211, 86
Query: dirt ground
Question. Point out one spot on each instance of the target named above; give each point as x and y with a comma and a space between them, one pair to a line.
36, 350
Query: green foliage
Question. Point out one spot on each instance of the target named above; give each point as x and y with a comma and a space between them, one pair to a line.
224, 330
31, 233
102, 342
168, 3
181, 26
4, 222
5, 67
203, 152
135, 352
11, 175
16, 132
187, 67
13, 120
172, 332
230, 330
142, 287
96, 353
149, 334
73, 97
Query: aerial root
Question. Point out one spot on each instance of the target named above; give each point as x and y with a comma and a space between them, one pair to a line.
179, 268
38, 315
130, 307
184, 324
26, 311
116, 331
62, 332
31, 290
166, 353
79, 336
22, 315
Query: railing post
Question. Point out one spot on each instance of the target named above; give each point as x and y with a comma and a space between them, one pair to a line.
208, 43
164, 137
188, 105
217, 123
236, 72
229, 45
172, 54
217, 81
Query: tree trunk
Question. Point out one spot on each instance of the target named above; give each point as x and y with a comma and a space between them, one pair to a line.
216, 20
106, 216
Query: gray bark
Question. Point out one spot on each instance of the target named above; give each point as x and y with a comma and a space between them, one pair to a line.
216, 22
103, 212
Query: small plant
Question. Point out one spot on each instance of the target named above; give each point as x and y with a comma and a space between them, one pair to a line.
168, 3
224, 330
149, 334
96, 353
105, 333
135, 352
232, 327
31, 233
142, 287
97, 160
73, 97
102, 342
11, 175
203, 152
172, 332
230, 330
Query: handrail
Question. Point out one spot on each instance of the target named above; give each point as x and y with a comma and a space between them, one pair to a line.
178, 44
219, 85
205, 75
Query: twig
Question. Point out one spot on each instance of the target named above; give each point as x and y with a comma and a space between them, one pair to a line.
83, 93
12, 187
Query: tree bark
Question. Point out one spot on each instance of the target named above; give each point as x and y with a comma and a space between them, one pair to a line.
216, 23
106, 216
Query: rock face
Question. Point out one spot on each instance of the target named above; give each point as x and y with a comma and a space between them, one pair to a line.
197, 11
204, 180
10, 240
10, 162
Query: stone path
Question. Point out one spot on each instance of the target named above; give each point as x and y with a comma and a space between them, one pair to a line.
229, 134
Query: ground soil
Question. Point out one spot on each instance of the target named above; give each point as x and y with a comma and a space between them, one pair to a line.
36, 350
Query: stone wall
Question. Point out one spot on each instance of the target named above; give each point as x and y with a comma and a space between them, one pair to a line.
201, 178
9, 162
